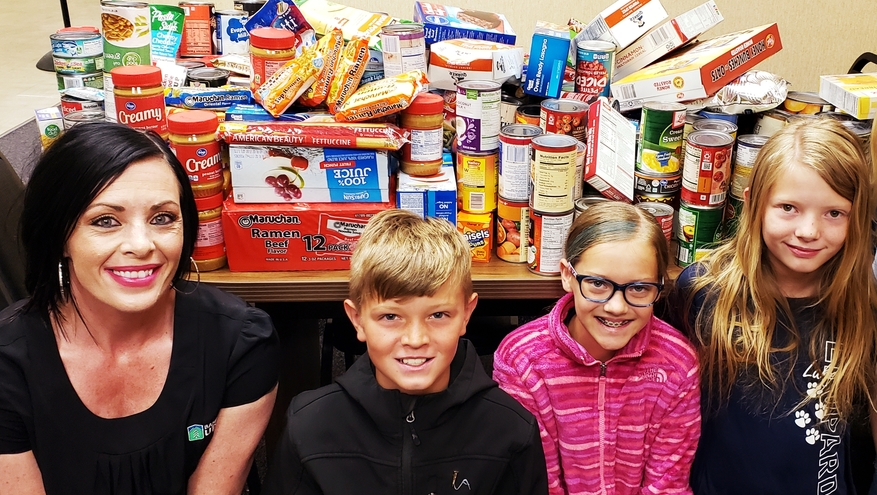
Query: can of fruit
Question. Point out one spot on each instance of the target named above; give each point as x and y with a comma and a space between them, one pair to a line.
69, 81
78, 65
476, 181
70, 104
528, 114
198, 28
707, 167
668, 184
595, 62
512, 230
552, 173
806, 103
700, 228
232, 37
748, 146
74, 44
660, 138
127, 33
564, 116
478, 113
663, 214
549, 232
733, 209
514, 160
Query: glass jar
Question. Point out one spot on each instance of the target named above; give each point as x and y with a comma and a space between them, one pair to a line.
193, 140
270, 49
423, 120
139, 98
209, 253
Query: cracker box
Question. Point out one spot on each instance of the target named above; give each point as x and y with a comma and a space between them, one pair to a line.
622, 22
547, 62
431, 196
478, 229
453, 61
444, 22
293, 237
700, 70
288, 174
855, 94
610, 162
666, 38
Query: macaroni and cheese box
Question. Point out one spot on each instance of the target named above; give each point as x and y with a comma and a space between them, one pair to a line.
547, 62
293, 237
430, 196
622, 22
700, 70
855, 94
444, 22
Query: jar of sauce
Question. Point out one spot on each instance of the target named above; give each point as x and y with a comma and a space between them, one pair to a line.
270, 49
209, 252
139, 98
193, 140
423, 119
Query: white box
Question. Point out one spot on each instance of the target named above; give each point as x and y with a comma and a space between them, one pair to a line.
453, 61
623, 22
609, 166
666, 38
431, 196
855, 94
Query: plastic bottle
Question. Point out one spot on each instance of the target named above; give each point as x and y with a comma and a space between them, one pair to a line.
423, 119
139, 98
193, 140
270, 49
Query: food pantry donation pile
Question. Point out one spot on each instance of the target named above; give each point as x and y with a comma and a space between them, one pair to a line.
299, 121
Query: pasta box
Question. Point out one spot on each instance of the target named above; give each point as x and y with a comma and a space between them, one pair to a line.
547, 62
855, 94
293, 237
288, 174
700, 70
444, 22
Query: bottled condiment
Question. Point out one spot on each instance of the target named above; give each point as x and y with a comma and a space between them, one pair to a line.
209, 252
423, 119
270, 49
139, 98
193, 140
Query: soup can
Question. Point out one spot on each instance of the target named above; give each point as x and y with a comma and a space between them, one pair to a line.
403, 47
512, 230
249, 6
581, 154
232, 37
700, 228
768, 123
83, 116
476, 181
514, 160
528, 114
70, 104
478, 113
586, 202
564, 116
69, 81
748, 146
127, 33
733, 209
806, 103
660, 138
709, 114
707, 167
549, 232
663, 214
690, 119
206, 77
72, 44
552, 173
595, 62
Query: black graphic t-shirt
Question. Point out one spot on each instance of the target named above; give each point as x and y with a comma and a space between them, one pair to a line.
224, 354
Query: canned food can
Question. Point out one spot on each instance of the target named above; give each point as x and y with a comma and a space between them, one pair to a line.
586, 202
83, 116
564, 116
198, 29
768, 123
719, 125
581, 152
805, 103
549, 232
663, 214
507, 109
748, 146
73, 44
403, 47
528, 114
733, 209
690, 119
476, 181
657, 184
514, 160
232, 37
478, 113
206, 77
249, 6
127, 33
512, 230
595, 62
552, 173
709, 114
707, 167
80, 65
68, 81
660, 138
667, 199
109, 103
70, 104
700, 228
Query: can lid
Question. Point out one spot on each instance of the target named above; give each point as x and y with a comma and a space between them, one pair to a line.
192, 122
710, 138
272, 38
208, 202
79, 29
425, 104
207, 74
597, 45
136, 75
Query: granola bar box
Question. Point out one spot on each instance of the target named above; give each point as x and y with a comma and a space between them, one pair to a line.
444, 22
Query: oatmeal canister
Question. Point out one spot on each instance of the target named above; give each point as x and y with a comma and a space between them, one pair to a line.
476, 181
595, 61
512, 230
553, 173
660, 138
565, 116
707, 167
514, 160
548, 231
139, 98
478, 116
127, 32
193, 140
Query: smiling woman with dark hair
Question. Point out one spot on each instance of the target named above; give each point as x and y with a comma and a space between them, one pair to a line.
119, 374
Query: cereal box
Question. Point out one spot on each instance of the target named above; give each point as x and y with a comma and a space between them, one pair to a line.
478, 229
855, 94
430, 196
443, 22
622, 22
610, 162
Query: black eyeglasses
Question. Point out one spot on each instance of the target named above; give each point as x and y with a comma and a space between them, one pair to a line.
600, 290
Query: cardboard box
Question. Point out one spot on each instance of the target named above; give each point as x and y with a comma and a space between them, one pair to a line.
443, 22
700, 70
453, 61
293, 237
324, 15
321, 174
855, 94
547, 63
666, 38
432, 196
609, 165
478, 230
622, 22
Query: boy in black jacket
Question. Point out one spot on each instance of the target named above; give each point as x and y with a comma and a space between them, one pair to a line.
417, 414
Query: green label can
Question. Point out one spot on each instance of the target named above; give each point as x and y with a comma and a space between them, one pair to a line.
733, 209
700, 229
127, 31
660, 141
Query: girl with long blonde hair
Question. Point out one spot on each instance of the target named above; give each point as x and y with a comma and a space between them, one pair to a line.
783, 316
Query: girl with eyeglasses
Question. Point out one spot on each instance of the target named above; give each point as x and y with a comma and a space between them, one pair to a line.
615, 390
783, 316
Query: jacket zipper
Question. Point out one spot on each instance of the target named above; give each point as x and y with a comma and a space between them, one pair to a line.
409, 441
601, 402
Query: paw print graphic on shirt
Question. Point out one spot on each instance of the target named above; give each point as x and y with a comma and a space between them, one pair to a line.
813, 389
812, 436
819, 411
802, 418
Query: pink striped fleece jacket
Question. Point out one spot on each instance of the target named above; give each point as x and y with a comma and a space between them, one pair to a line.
626, 426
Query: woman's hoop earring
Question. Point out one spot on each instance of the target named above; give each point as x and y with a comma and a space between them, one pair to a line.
197, 282
61, 279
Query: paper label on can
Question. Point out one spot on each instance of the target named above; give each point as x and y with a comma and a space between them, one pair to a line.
127, 34
553, 180
705, 174
426, 145
403, 53
478, 120
593, 73
232, 37
209, 234
514, 171
476, 182
549, 237
660, 146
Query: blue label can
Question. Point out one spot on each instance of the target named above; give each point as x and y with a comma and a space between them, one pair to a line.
595, 61
232, 38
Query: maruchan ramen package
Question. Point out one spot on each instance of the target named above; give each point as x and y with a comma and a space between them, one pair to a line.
382, 97
330, 47
290, 81
348, 72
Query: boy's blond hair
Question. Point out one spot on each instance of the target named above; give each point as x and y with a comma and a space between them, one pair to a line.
400, 254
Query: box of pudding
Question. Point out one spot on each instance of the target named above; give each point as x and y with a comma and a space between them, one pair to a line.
444, 22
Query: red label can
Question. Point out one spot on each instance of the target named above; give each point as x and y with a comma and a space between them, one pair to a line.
549, 236
663, 214
198, 26
707, 168
565, 117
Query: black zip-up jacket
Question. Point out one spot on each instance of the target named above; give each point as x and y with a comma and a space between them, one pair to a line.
354, 437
